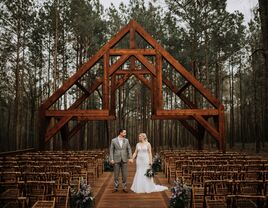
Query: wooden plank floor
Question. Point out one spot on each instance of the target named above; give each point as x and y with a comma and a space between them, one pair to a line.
105, 198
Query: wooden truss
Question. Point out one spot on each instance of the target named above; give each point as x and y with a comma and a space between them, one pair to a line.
110, 84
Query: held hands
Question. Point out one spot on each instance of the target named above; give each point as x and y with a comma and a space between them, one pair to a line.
130, 160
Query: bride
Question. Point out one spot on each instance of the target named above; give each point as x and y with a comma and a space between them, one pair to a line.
141, 183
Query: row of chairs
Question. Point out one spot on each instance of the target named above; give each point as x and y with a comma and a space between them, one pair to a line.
195, 168
237, 171
235, 193
44, 179
174, 165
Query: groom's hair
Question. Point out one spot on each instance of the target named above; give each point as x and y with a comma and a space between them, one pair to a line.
121, 130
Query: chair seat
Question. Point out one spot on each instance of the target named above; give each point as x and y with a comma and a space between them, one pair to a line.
216, 204
37, 193
62, 192
245, 203
44, 204
10, 205
10, 194
14, 202
199, 191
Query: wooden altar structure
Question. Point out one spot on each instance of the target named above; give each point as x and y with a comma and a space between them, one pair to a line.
110, 84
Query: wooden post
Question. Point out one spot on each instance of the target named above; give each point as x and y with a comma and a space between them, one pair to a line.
65, 137
113, 97
153, 93
158, 87
200, 136
222, 144
132, 45
105, 85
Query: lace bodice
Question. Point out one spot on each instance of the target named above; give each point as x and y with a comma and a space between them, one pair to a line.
142, 148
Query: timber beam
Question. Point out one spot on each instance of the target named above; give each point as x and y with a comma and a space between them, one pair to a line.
122, 61
178, 92
120, 52
64, 120
120, 82
136, 71
146, 63
145, 81
188, 112
76, 113
76, 129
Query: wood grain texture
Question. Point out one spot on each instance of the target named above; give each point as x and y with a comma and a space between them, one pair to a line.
188, 112
106, 198
118, 52
117, 73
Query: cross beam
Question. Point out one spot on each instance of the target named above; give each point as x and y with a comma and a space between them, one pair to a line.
123, 62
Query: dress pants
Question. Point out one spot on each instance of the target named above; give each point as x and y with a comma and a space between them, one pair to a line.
123, 168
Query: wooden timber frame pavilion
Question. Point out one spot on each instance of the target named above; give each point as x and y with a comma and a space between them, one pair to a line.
109, 84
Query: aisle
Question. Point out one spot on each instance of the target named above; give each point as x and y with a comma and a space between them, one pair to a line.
105, 198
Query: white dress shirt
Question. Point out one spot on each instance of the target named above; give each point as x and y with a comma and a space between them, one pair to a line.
120, 141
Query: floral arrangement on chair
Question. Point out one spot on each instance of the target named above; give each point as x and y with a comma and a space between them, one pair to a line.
181, 195
156, 163
83, 197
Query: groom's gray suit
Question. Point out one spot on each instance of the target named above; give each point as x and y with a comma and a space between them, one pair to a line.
120, 156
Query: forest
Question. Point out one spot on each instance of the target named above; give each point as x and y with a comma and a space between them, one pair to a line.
43, 42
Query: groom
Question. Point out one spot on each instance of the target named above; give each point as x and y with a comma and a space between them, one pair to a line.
120, 154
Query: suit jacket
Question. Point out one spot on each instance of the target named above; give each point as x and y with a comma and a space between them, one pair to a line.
118, 153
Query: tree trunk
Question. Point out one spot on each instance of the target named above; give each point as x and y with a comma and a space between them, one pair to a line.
17, 87
232, 136
263, 7
242, 139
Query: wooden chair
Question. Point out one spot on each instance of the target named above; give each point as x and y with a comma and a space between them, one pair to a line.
62, 188
9, 190
229, 175
197, 196
11, 197
246, 201
44, 204
215, 192
100, 165
249, 187
92, 170
215, 203
250, 175
37, 192
34, 176
179, 164
198, 178
171, 169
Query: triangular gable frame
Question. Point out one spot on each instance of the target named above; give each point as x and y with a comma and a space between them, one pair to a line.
155, 69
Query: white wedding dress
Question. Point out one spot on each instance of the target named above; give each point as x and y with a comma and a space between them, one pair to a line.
141, 183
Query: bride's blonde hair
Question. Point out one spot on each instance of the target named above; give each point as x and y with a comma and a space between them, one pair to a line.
145, 136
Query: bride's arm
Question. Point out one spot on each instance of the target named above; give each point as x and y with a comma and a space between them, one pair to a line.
135, 153
150, 154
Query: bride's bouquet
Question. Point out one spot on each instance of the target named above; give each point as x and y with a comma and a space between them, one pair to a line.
150, 172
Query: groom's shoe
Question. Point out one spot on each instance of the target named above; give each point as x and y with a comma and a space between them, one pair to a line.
125, 190
115, 190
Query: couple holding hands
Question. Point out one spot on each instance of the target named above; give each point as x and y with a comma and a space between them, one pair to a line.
121, 154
